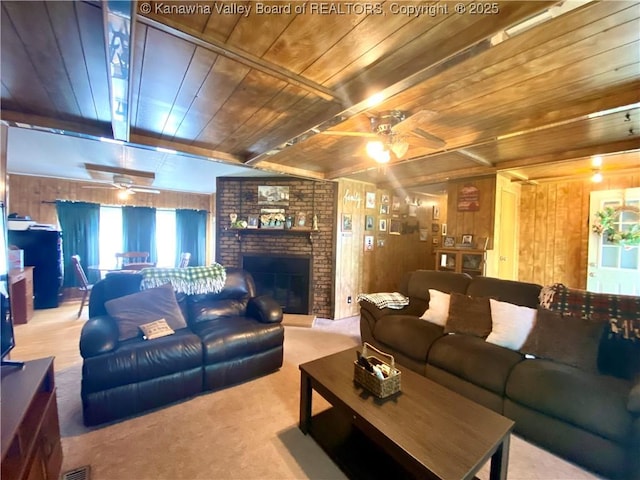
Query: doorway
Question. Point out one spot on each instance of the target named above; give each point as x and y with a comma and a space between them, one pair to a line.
614, 268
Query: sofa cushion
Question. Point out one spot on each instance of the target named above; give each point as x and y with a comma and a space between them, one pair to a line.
474, 360
419, 282
137, 360
438, 310
511, 324
597, 403
518, 293
226, 339
469, 315
145, 306
407, 334
569, 340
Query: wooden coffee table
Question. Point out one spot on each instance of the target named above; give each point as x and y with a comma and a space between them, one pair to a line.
424, 431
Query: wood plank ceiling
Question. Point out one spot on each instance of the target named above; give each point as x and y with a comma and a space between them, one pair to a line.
223, 80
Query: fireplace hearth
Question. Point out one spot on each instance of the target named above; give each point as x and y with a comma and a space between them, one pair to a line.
285, 278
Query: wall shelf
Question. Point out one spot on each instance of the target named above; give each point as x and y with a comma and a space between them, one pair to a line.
240, 232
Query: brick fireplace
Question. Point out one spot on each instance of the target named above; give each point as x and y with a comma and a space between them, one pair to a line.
240, 196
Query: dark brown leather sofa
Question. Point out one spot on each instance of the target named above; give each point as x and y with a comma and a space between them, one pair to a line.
592, 419
232, 336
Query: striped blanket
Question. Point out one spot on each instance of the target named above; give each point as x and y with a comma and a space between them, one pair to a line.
392, 300
189, 280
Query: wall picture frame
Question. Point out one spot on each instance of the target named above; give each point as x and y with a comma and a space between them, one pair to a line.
443, 229
382, 225
368, 243
467, 240
449, 242
384, 209
347, 222
370, 200
436, 212
395, 226
369, 222
252, 221
276, 195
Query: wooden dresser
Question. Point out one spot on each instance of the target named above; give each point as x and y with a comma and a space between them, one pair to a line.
21, 294
31, 448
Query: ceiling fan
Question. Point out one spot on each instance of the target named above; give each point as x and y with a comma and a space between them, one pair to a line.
393, 131
124, 184
121, 179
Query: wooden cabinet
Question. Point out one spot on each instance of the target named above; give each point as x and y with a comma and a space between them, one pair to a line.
461, 260
21, 294
31, 448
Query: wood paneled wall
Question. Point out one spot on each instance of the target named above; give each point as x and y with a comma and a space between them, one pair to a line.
479, 223
379, 269
554, 229
29, 195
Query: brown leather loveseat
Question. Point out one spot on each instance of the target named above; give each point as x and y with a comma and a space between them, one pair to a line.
229, 337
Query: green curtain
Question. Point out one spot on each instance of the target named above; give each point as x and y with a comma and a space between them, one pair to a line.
139, 230
191, 235
80, 223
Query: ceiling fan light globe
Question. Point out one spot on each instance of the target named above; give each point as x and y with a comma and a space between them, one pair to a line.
382, 157
374, 147
400, 148
123, 194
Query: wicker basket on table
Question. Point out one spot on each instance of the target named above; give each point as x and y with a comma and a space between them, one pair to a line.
381, 388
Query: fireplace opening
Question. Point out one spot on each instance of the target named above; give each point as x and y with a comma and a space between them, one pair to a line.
285, 278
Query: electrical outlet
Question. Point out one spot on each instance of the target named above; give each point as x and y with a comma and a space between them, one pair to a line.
349, 299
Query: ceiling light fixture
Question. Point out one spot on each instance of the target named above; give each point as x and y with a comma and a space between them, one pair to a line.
375, 99
123, 194
597, 177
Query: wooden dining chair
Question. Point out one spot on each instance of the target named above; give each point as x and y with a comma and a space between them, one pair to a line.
129, 260
85, 287
184, 259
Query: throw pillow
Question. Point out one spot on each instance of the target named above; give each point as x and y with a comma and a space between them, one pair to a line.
511, 324
469, 315
145, 306
438, 309
565, 339
156, 329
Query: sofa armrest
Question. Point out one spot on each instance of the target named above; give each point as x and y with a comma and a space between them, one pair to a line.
633, 403
265, 309
99, 335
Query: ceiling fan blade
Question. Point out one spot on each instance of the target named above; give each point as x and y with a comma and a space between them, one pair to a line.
142, 190
417, 120
420, 138
349, 134
103, 187
119, 171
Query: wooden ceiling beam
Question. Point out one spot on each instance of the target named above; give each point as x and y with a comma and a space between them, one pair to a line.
577, 176
233, 53
434, 178
118, 21
215, 155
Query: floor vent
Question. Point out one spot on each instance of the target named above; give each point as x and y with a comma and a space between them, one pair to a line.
81, 473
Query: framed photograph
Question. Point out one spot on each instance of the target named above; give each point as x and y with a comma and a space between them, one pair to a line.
370, 200
368, 243
384, 198
252, 221
467, 240
272, 218
413, 210
347, 222
381, 242
273, 195
449, 242
444, 229
395, 226
435, 227
382, 225
435, 241
369, 222
436, 212
395, 205
424, 234
301, 219
384, 209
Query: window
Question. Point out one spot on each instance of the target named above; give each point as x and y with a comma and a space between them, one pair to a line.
166, 238
110, 235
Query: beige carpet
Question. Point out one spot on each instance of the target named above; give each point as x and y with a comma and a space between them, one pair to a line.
248, 431
297, 320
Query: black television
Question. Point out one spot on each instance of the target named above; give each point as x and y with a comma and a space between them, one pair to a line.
7, 338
